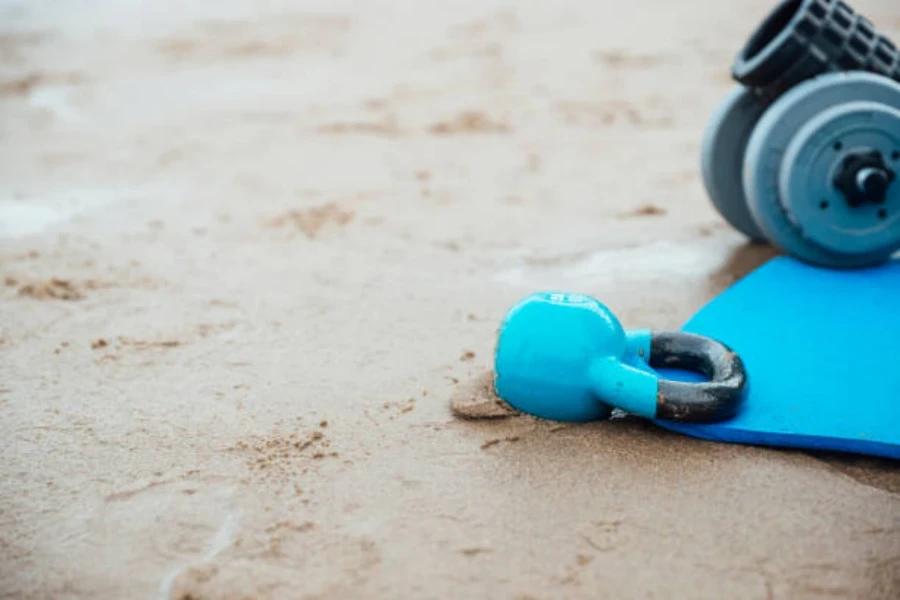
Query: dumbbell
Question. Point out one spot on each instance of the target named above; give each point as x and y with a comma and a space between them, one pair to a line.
566, 357
805, 153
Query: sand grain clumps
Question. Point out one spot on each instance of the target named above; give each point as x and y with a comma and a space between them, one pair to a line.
52, 289
149, 344
311, 221
279, 450
478, 400
646, 210
469, 121
386, 127
21, 86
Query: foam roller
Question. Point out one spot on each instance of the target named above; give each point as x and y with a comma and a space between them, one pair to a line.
800, 39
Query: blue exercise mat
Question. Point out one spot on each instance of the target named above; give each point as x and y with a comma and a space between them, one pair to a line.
822, 353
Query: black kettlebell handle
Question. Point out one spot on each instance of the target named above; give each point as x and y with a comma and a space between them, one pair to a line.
701, 402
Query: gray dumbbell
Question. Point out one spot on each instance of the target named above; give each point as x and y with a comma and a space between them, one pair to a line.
806, 155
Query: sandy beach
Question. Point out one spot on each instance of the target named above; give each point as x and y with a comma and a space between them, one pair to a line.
249, 251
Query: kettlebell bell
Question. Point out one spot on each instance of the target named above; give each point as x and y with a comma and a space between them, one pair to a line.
805, 152
566, 357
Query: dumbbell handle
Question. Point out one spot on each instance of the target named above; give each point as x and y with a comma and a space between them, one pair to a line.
800, 39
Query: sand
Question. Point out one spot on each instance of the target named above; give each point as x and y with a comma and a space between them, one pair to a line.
477, 399
224, 224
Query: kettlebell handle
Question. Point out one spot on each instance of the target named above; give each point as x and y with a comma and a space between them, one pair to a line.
625, 384
707, 401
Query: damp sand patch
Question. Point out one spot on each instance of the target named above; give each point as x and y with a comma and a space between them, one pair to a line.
477, 399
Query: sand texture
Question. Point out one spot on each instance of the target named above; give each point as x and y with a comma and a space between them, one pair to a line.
250, 251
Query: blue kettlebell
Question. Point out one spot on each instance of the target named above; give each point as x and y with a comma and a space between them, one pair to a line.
566, 357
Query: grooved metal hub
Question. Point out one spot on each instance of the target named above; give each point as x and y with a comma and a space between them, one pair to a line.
864, 178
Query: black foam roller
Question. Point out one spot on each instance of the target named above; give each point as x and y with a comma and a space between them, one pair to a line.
800, 39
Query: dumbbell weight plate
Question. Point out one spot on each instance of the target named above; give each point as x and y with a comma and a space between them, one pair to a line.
807, 180
722, 158
766, 151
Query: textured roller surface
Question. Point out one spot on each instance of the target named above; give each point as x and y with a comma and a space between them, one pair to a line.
804, 38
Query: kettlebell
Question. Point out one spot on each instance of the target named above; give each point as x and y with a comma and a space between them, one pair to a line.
805, 152
566, 357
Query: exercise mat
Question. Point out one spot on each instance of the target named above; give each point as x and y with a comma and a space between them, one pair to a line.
822, 352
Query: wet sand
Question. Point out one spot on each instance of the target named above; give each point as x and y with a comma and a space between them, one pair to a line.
250, 251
